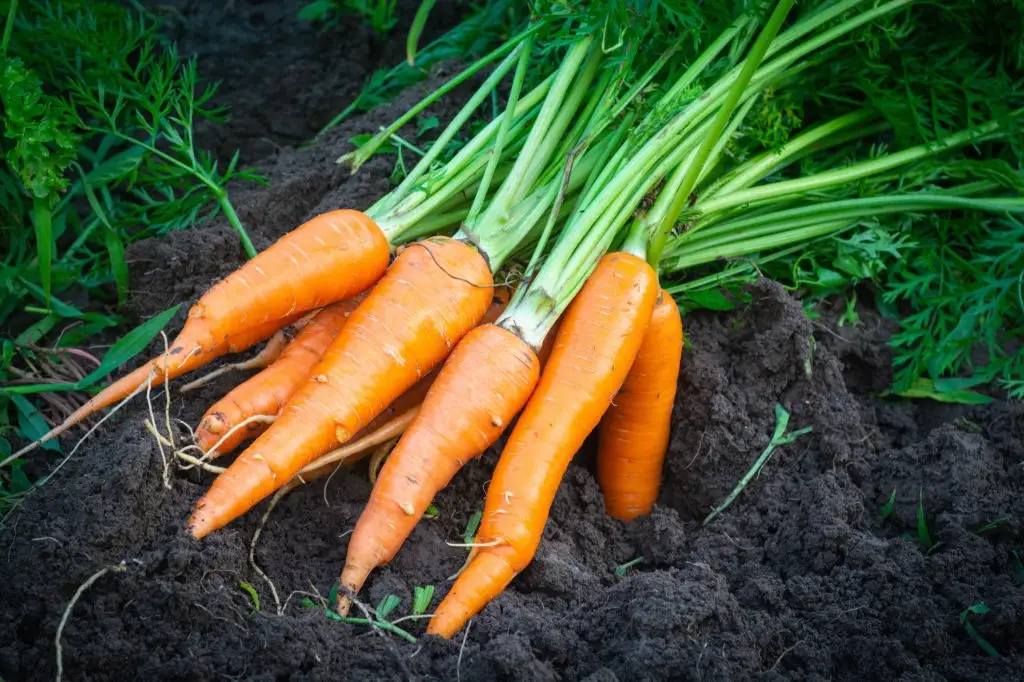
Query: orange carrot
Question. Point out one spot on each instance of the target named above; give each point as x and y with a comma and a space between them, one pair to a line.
433, 294
596, 343
483, 384
329, 258
633, 435
267, 392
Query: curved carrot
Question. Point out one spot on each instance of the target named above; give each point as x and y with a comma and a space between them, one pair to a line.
597, 341
483, 384
329, 258
267, 392
434, 293
633, 435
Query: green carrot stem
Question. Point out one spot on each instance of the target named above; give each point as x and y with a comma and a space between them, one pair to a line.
732, 99
842, 176
506, 123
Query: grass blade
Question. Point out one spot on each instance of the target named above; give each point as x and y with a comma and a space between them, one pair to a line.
42, 216
419, 22
130, 345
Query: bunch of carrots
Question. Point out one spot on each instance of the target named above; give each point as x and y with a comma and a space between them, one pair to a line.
403, 328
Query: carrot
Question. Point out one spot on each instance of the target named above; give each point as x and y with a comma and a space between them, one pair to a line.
267, 392
634, 432
329, 258
484, 383
596, 343
433, 294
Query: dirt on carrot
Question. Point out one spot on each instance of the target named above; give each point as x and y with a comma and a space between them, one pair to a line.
799, 578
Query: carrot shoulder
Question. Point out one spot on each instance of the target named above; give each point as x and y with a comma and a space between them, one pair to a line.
597, 340
268, 391
329, 258
634, 432
433, 294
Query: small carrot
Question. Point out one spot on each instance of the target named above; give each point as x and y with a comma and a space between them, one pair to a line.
597, 340
634, 432
329, 258
267, 392
433, 294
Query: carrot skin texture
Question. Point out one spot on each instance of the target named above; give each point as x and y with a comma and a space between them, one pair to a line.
433, 294
267, 392
634, 432
329, 258
415, 395
485, 381
597, 340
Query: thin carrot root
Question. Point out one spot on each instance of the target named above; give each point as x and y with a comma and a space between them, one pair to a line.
378, 457
433, 294
270, 353
256, 538
634, 432
597, 341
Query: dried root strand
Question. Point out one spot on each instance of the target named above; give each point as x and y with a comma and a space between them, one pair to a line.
271, 352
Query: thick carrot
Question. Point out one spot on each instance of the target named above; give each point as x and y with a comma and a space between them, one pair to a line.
598, 339
434, 293
483, 384
633, 435
329, 258
267, 392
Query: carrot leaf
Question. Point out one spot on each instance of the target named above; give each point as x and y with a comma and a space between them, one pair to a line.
779, 438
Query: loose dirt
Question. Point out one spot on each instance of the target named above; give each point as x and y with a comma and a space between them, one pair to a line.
800, 579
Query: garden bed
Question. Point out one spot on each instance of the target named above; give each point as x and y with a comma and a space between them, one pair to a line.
800, 578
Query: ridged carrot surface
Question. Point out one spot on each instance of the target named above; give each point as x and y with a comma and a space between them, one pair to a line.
267, 392
329, 258
434, 293
634, 432
484, 383
597, 340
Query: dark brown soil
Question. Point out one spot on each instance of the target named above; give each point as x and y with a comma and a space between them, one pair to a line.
800, 579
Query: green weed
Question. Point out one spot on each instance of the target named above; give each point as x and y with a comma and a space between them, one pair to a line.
254, 596
977, 610
96, 152
622, 569
886, 509
779, 438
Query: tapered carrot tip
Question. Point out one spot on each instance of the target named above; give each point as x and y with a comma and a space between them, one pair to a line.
487, 574
247, 474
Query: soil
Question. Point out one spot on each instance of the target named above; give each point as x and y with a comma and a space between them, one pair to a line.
799, 579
